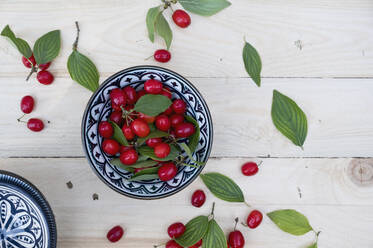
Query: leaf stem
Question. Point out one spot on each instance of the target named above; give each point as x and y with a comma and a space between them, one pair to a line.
212, 210
75, 44
33, 69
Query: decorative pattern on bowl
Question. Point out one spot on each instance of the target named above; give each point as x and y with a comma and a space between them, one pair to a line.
99, 109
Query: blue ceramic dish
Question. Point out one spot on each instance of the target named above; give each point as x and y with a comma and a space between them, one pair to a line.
26, 219
99, 109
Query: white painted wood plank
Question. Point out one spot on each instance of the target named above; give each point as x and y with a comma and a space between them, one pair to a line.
338, 111
324, 38
330, 199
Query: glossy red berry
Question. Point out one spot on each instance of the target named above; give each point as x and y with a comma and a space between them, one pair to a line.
152, 142
118, 99
181, 18
173, 244
236, 239
197, 245
198, 198
254, 219
176, 230
127, 132
29, 62
140, 128
162, 55
45, 66
166, 92
168, 111
131, 94
162, 150
147, 118
167, 171
176, 119
179, 106
105, 129
153, 86
141, 93
162, 122
110, 146
35, 125
115, 234
129, 157
116, 116
45, 77
184, 130
249, 168
27, 104
124, 148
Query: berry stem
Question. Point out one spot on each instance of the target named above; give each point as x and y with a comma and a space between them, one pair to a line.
247, 204
155, 246
20, 118
235, 225
75, 44
212, 210
260, 163
33, 69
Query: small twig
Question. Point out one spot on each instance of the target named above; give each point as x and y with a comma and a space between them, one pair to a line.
235, 226
33, 69
212, 210
75, 45
19, 119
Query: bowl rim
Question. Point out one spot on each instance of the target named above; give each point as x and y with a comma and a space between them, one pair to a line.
83, 136
10, 178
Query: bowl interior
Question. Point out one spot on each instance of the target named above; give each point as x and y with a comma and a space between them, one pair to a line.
99, 109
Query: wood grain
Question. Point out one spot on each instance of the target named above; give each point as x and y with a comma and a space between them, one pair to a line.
337, 109
324, 38
319, 188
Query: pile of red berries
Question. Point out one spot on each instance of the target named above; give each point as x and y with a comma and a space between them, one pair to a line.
43, 76
136, 125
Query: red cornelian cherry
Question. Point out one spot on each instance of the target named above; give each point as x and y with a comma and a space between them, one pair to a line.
141, 93
236, 239
124, 148
29, 62
118, 99
197, 245
162, 150
162, 55
152, 142
198, 198
110, 146
45, 77
147, 118
184, 130
166, 92
153, 86
115, 234
27, 104
140, 128
179, 106
181, 18
127, 132
249, 168
116, 116
45, 66
254, 219
35, 124
131, 94
105, 129
173, 244
162, 122
176, 230
167, 171
129, 157
168, 111
176, 119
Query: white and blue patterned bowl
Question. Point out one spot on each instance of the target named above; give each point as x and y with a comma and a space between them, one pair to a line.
99, 109
26, 219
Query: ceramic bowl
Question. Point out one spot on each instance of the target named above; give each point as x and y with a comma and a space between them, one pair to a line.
26, 219
99, 109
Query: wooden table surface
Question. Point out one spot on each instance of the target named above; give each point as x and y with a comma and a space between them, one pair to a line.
320, 53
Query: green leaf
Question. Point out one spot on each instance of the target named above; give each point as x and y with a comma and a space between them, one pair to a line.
21, 45
289, 119
83, 70
223, 187
142, 158
154, 134
204, 7
163, 29
152, 105
148, 151
195, 230
143, 164
194, 139
290, 221
118, 134
215, 236
144, 177
186, 148
313, 246
147, 171
47, 47
151, 18
252, 61
116, 162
